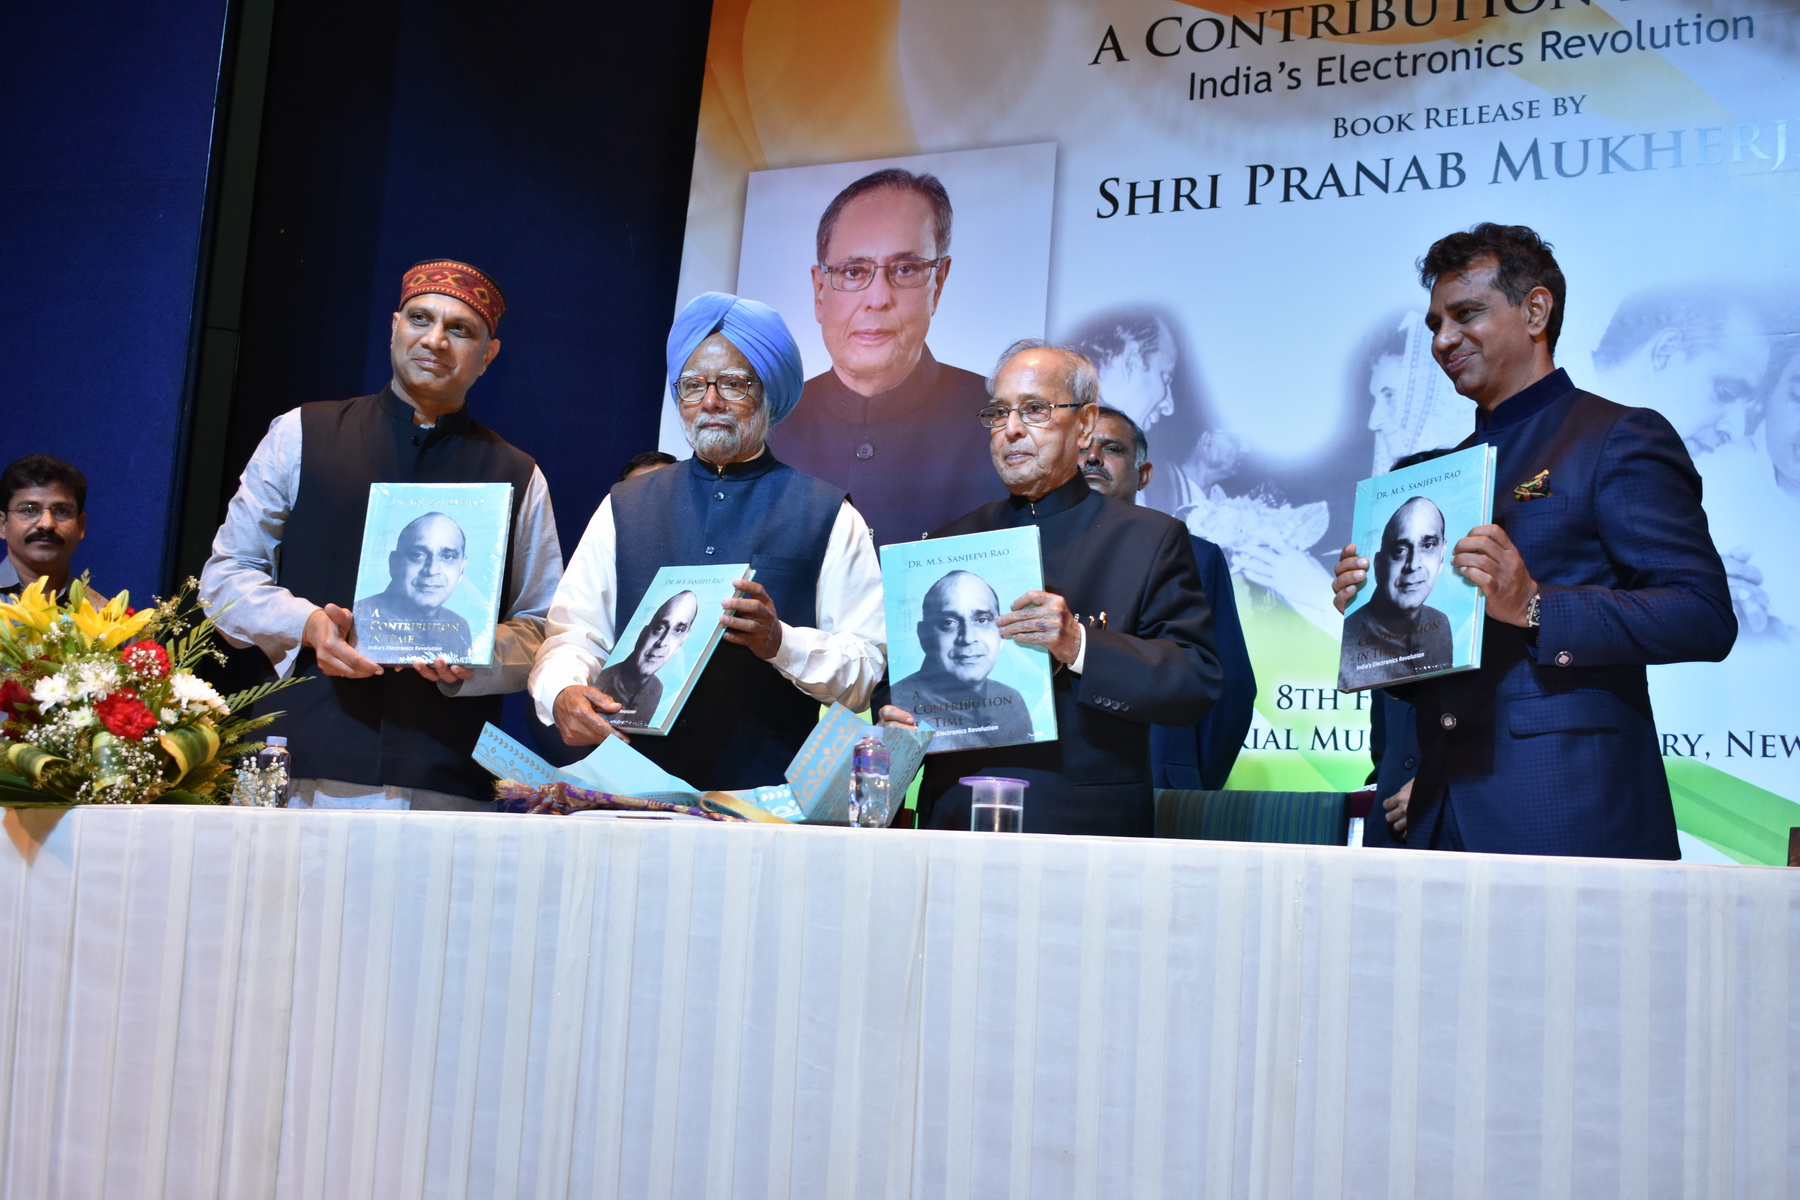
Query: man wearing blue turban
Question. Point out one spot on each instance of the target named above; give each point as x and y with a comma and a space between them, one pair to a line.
807, 630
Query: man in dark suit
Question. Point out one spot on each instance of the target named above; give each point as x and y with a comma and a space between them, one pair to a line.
886, 405
1598, 562
1117, 464
1121, 613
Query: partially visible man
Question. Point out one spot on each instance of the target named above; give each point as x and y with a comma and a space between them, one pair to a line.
1412, 407
809, 628
1121, 613
1397, 635
1136, 353
424, 567
43, 511
1694, 354
959, 632
886, 405
632, 680
1117, 464
1602, 566
643, 464
362, 737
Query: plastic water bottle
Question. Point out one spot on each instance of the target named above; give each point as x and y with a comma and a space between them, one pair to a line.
869, 796
273, 774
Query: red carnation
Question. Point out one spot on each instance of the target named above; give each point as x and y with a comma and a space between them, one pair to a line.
124, 715
147, 659
12, 695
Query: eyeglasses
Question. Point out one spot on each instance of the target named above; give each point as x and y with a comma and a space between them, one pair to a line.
857, 274
61, 513
733, 389
1032, 412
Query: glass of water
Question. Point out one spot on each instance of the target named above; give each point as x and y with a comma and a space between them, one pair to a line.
996, 804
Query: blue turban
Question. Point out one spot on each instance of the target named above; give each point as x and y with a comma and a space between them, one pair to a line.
756, 330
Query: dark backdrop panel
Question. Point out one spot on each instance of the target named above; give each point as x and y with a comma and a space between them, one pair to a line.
549, 144
103, 172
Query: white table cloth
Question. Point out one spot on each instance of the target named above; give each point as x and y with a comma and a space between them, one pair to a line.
215, 1002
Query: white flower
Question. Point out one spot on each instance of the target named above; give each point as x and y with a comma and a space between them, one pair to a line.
97, 679
50, 691
196, 693
168, 716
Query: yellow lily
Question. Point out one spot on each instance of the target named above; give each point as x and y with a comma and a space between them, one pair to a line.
109, 627
32, 609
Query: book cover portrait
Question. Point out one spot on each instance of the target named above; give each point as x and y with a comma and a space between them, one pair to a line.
949, 665
429, 579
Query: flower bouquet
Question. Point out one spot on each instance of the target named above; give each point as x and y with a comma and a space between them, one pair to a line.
101, 705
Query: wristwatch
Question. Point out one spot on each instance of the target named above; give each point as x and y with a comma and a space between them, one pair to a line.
1532, 609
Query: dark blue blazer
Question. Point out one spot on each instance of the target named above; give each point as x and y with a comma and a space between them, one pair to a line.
1199, 757
1552, 749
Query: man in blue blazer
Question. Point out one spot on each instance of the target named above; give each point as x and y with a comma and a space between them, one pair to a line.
1598, 563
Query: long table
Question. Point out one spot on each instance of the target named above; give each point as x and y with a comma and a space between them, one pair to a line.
200, 1002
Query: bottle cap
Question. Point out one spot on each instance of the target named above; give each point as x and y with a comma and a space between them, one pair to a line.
276, 740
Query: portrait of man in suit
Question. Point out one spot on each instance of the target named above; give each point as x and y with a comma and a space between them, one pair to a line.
882, 261
424, 567
952, 690
632, 680
1396, 635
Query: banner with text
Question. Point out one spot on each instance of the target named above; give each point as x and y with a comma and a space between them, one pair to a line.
1223, 204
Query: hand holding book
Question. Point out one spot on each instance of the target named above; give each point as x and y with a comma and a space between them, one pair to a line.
581, 713
327, 635
1040, 618
750, 619
1490, 561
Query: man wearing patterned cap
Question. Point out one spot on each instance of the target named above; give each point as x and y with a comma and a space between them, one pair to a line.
809, 628
282, 562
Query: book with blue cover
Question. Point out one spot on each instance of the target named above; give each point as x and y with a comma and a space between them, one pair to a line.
432, 567
1416, 615
949, 665
665, 645
817, 791
818, 778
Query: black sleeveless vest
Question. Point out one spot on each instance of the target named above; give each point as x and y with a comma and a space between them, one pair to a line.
743, 722
397, 729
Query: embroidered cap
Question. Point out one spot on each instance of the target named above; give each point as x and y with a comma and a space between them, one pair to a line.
459, 281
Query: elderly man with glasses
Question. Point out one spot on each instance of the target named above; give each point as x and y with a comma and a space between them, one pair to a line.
1122, 614
887, 409
43, 512
809, 628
